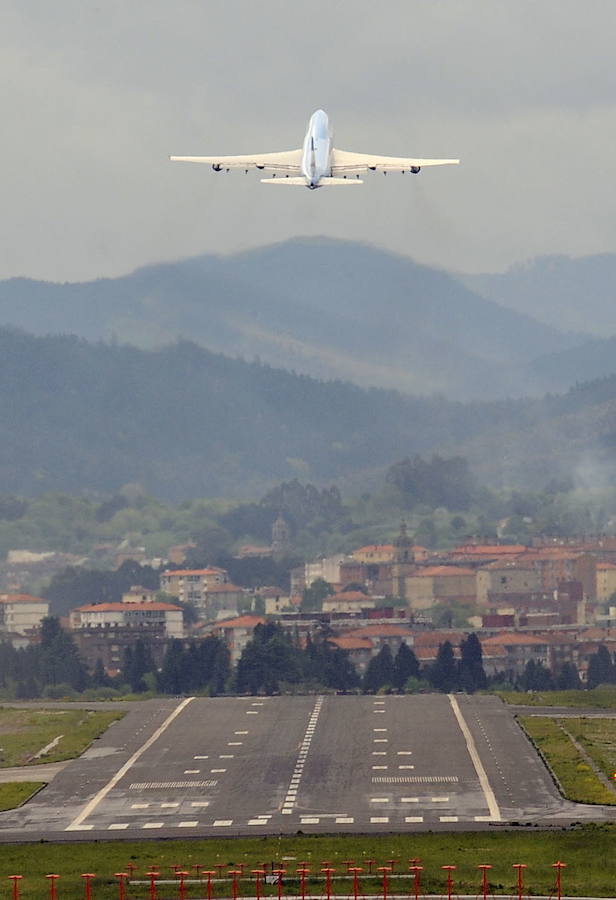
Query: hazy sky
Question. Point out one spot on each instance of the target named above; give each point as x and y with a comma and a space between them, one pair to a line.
96, 95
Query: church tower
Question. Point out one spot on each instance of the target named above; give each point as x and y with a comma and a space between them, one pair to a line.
403, 562
281, 535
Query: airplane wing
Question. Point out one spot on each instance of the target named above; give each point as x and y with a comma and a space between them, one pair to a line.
344, 162
285, 161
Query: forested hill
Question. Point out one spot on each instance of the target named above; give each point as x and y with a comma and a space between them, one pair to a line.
185, 422
330, 309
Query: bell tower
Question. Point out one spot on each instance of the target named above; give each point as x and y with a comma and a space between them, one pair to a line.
403, 562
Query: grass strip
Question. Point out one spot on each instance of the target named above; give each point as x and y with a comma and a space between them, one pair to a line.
576, 778
14, 793
587, 850
24, 732
598, 737
600, 698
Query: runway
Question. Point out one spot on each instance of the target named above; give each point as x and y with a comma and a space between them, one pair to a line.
257, 765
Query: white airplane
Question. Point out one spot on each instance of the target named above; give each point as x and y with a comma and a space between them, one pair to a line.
317, 164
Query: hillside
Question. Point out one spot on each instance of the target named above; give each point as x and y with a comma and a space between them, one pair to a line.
331, 309
185, 422
575, 294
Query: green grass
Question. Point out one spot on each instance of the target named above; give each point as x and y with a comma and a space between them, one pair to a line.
14, 793
601, 698
598, 737
577, 779
24, 732
588, 852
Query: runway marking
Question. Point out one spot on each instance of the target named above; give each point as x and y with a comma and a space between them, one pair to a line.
378, 710
404, 752
409, 799
413, 819
200, 757
379, 799
406, 767
449, 819
84, 828
344, 820
439, 799
380, 740
379, 752
187, 824
483, 818
222, 823
415, 779
214, 771
232, 744
286, 812
309, 820
257, 703
379, 767
488, 793
139, 805
379, 729
91, 806
252, 712
118, 826
153, 825
240, 732
169, 805
258, 822
200, 803
379, 820
226, 756
191, 771
291, 795
166, 785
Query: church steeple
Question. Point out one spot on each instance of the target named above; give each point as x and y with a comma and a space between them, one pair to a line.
404, 560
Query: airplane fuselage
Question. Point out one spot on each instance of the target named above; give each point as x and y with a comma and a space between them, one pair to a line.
317, 149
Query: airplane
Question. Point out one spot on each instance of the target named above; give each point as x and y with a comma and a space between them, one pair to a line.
318, 163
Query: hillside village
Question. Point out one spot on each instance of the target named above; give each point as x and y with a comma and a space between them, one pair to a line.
553, 602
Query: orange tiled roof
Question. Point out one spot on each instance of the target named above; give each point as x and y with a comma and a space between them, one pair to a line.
511, 637
376, 548
224, 589
488, 549
605, 565
242, 622
351, 642
20, 598
434, 638
385, 630
506, 564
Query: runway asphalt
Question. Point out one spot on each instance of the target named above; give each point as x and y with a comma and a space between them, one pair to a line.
228, 766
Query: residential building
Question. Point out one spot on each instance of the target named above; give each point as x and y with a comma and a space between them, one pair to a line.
138, 594
348, 601
22, 613
505, 577
135, 615
327, 568
191, 585
606, 581
236, 633
431, 585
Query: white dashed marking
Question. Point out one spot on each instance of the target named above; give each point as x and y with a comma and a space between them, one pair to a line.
448, 818
345, 820
200, 757
118, 826
379, 820
169, 805
140, 805
379, 767
240, 732
191, 771
406, 767
379, 799
187, 824
200, 803
410, 819
409, 799
213, 771
153, 824
310, 820
222, 823
439, 799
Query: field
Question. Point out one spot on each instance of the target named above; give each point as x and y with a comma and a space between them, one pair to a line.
578, 780
588, 852
26, 732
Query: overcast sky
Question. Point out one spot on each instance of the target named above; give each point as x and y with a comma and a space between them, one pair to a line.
94, 96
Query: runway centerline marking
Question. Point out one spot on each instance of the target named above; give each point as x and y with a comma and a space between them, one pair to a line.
91, 806
291, 795
488, 793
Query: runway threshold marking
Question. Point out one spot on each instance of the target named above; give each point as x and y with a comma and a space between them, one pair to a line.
488, 793
76, 824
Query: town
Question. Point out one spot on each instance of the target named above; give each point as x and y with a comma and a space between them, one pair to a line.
549, 606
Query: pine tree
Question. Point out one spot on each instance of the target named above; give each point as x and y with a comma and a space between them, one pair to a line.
443, 675
600, 668
380, 672
472, 676
405, 666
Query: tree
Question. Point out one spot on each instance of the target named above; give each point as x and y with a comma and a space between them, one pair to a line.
536, 677
59, 660
600, 668
405, 666
380, 672
266, 661
472, 676
314, 595
568, 678
443, 675
137, 663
